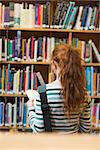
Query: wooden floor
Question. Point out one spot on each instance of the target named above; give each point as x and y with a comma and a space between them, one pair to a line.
30, 141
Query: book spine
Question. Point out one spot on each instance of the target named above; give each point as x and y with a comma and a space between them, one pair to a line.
11, 18
0, 49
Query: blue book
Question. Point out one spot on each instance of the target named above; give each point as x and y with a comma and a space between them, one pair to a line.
24, 115
39, 49
88, 80
24, 49
6, 115
84, 16
72, 18
36, 15
92, 80
69, 11
16, 49
1, 113
6, 16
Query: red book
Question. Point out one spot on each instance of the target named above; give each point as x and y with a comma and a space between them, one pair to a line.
32, 48
39, 15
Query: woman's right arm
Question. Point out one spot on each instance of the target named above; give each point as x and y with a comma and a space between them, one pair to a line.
85, 119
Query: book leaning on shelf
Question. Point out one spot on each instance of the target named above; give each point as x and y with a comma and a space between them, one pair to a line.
67, 15
70, 16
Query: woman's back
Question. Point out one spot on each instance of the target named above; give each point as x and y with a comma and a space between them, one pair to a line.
59, 121
67, 97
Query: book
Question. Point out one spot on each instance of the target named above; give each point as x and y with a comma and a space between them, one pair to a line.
40, 78
96, 51
98, 84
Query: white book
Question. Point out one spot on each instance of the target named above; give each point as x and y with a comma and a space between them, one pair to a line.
33, 95
14, 83
83, 50
27, 77
78, 22
52, 43
31, 16
26, 17
9, 114
48, 49
32, 68
96, 51
40, 78
6, 45
0, 49
97, 125
17, 9
35, 50
44, 48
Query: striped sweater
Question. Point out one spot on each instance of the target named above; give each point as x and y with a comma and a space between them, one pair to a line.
78, 121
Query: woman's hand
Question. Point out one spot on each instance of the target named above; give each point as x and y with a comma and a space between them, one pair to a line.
30, 103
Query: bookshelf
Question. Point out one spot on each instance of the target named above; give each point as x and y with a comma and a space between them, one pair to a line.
52, 30
52, 33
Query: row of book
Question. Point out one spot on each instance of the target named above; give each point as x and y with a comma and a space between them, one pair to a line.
14, 114
24, 15
17, 81
67, 15
34, 49
40, 49
96, 115
93, 81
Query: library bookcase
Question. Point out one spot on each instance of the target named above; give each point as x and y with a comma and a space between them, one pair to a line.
46, 27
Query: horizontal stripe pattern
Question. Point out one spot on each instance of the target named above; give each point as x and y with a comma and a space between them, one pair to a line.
78, 121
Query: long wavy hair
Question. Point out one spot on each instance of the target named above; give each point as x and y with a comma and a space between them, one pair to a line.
72, 76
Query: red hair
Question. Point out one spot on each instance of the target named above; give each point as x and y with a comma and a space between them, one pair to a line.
72, 76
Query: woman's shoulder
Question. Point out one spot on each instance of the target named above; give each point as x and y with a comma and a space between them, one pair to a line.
54, 84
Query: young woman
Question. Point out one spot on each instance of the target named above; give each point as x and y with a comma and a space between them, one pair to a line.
70, 106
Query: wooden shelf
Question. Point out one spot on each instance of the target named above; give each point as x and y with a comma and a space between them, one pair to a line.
24, 63
52, 30
94, 96
12, 95
42, 63
12, 127
24, 95
91, 64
